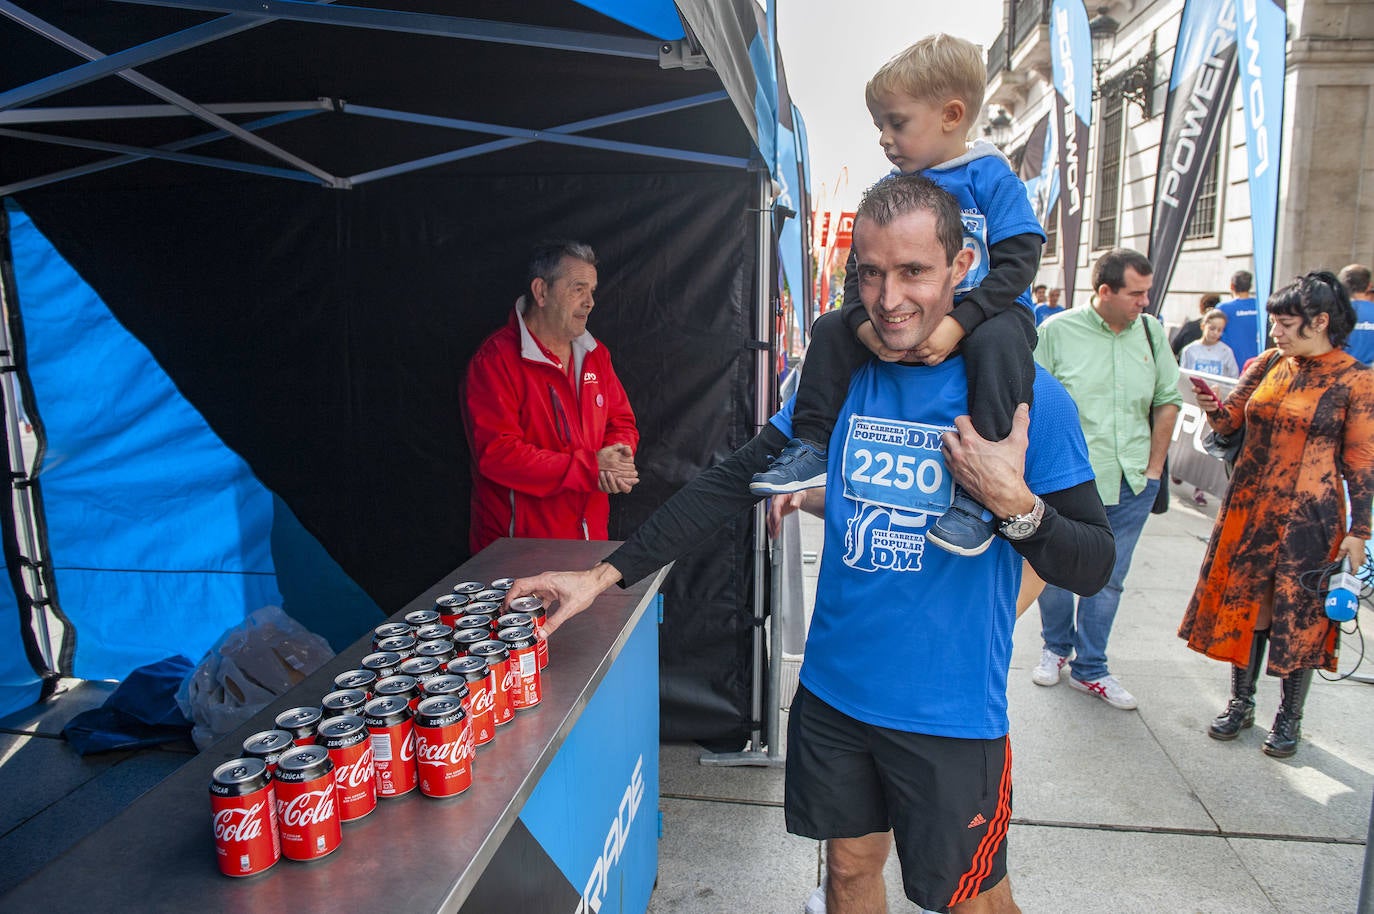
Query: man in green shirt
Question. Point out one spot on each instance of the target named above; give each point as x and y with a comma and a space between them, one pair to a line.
1116, 363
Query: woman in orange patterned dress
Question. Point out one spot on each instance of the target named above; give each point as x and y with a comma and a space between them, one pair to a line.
1308, 411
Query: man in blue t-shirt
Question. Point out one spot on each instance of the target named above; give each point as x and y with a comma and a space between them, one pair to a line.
1356, 280
900, 724
1242, 320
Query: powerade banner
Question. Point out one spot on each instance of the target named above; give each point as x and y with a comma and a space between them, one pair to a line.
1200, 86
1262, 36
1071, 51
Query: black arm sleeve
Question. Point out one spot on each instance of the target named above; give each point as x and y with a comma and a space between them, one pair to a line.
697, 510
1073, 548
1013, 262
852, 310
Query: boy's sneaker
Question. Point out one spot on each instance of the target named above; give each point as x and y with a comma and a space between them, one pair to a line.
1107, 689
815, 904
1051, 665
967, 528
801, 465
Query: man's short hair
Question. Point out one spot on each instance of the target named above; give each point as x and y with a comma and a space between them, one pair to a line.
1355, 278
1039, 287
897, 196
1319, 292
936, 68
1208, 301
1215, 314
1110, 269
1241, 280
546, 260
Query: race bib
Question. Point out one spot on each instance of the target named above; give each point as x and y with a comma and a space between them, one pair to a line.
897, 464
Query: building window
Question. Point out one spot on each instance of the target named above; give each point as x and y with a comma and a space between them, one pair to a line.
1052, 231
1109, 171
1203, 222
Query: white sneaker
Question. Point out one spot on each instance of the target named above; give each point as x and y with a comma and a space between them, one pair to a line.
1051, 665
816, 903
1107, 689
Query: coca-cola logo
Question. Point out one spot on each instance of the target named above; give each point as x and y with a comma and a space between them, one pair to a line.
431, 752
483, 702
309, 808
358, 774
508, 680
408, 747
239, 824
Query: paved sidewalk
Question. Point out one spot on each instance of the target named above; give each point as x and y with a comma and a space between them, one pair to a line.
1119, 811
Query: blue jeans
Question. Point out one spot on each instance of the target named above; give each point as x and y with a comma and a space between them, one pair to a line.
1087, 639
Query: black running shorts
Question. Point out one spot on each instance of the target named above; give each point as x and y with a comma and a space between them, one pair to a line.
946, 800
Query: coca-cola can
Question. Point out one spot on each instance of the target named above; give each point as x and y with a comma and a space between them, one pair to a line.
490, 595
446, 684
482, 689
450, 607
355, 776
383, 663
515, 620
468, 588
497, 656
388, 630
268, 745
524, 661
343, 702
307, 811
434, 631
466, 638
404, 645
442, 651
421, 617
502, 584
443, 747
300, 723
244, 816
389, 722
534, 607
473, 621
357, 679
421, 668
400, 685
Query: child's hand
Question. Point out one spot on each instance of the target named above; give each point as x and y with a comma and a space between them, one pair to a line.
941, 343
869, 337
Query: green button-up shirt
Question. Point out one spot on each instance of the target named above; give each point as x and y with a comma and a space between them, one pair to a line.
1116, 383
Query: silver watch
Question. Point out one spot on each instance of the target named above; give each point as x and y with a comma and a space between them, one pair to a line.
1023, 525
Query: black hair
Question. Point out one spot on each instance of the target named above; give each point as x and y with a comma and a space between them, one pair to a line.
1241, 281
897, 196
1319, 292
1110, 269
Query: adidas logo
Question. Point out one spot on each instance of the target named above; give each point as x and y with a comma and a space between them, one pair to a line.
977, 821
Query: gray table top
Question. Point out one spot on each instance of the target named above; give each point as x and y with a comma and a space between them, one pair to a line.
414, 853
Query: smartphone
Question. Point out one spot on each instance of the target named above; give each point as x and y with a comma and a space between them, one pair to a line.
1203, 387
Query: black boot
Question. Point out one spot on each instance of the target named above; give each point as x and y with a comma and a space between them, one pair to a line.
1240, 710
1282, 740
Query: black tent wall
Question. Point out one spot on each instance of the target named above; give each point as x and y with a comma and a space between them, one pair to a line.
324, 334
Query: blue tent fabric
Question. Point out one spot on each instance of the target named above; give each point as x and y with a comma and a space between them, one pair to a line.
158, 534
656, 17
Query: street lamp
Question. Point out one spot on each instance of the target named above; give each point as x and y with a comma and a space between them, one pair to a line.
1135, 85
998, 128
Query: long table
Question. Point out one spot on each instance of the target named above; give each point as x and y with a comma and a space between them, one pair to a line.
562, 814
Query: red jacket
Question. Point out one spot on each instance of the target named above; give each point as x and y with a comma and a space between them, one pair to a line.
534, 438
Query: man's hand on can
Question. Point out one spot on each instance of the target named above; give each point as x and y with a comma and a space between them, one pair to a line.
565, 593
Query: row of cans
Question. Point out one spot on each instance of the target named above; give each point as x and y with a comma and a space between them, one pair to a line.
394, 724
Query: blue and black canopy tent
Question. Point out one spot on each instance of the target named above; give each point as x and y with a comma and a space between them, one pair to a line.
248, 248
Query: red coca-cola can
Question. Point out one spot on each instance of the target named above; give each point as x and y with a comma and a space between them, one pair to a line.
490, 595
524, 661
465, 639
449, 606
514, 620
300, 723
268, 745
343, 702
421, 668
502, 584
383, 663
403, 645
443, 747
473, 622
307, 812
497, 656
468, 588
357, 679
434, 631
355, 776
388, 630
482, 689
244, 816
446, 684
389, 722
535, 608
442, 651
400, 685
419, 618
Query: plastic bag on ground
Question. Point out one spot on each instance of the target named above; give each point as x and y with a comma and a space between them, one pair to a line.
251, 664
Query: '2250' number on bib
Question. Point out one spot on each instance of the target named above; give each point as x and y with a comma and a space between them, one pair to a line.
900, 472
898, 464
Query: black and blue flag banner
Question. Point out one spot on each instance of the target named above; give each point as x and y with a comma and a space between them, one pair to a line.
1039, 170
1200, 86
1261, 38
1071, 52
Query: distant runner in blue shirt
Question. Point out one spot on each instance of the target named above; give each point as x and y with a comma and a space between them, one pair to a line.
1242, 324
1356, 280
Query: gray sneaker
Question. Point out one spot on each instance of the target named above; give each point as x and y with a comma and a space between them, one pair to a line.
816, 903
1051, 665
1107, 689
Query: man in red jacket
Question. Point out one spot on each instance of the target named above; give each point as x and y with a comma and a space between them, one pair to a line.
548, 422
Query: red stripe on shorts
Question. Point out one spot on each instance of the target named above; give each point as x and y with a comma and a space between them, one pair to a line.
970, 882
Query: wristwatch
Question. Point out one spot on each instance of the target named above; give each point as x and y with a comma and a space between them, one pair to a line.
1023, 525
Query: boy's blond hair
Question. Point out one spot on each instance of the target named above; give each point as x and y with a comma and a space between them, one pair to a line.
934, 69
